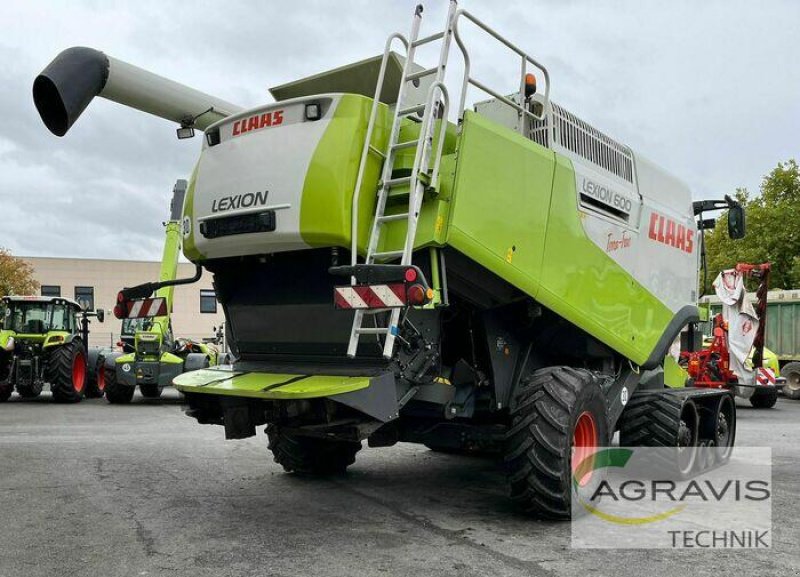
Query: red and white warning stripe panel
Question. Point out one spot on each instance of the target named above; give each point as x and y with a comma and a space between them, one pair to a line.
381, 296
765, 377
139, 309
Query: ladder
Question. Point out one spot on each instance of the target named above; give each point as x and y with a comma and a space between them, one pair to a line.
424, 173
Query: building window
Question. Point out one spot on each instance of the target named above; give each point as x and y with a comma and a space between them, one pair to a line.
51, 290
85, 296
208, 301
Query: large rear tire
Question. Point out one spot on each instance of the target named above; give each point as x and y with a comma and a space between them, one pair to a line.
311, 455
66, 372
556, 410
764, 398
151, 391
116, 392
791, 372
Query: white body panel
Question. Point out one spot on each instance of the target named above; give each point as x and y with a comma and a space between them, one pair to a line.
658, 244
254, 171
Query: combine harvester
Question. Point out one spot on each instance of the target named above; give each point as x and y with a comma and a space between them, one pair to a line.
155, 357
395, 266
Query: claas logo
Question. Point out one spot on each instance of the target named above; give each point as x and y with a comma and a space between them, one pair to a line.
257, 122
667, 231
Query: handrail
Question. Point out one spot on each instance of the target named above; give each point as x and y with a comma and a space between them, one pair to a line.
525, 58
368, 142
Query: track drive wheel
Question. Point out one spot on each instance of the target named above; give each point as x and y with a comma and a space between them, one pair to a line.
791, 371
558, 416
66, 372
724, 428
116, 392
311, 455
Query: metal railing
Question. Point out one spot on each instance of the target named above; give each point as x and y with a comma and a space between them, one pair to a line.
525, 59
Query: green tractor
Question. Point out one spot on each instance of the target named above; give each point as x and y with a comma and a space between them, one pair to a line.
43, 341
151, 356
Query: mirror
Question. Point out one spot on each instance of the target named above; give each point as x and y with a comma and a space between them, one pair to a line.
101, 315
736, 227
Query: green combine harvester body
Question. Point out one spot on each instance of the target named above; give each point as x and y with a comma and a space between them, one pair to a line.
395, 266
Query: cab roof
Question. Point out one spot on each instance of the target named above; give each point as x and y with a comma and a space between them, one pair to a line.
40, 299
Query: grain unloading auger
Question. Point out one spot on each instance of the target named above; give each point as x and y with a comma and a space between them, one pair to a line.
396, 267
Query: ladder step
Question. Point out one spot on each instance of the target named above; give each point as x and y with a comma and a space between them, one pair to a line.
392, 217
376, 151
403, 180
388, 254
426, 39
371, 331
406, 144
411, 110
421, 74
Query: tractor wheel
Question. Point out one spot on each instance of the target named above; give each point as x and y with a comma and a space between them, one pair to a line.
791, 371
661, 419
311, 455
116, 392
764, 398
152, 391
30, 391
96, 385
66, 372
558, 416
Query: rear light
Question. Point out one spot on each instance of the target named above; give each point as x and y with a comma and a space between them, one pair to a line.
411, 274
416, 295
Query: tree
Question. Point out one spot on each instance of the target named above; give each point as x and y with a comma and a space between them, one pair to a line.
16, 275
773, 230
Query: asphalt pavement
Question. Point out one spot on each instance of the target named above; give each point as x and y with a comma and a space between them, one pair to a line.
102, 490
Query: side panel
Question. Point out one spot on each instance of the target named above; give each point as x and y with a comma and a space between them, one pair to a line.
515, 211
502, 192
582, 283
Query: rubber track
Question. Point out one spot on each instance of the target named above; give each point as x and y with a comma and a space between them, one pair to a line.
651, 420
